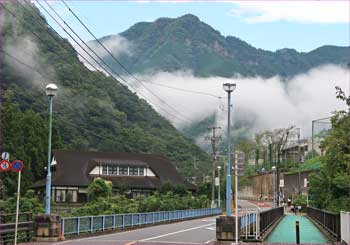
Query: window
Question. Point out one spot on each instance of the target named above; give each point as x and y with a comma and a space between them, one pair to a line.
123, 170
60, 195
133, 171
141, 171
71, 196
104, 169
113, 170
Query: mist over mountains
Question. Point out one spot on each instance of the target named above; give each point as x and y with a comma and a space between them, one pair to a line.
274, 89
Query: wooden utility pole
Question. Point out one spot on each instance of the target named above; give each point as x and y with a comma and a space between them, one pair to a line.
213, 140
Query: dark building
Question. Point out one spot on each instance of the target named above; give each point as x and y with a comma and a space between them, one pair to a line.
130, 173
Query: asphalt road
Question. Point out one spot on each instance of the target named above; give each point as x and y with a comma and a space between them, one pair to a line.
198, 231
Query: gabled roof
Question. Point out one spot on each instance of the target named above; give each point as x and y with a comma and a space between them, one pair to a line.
73, 168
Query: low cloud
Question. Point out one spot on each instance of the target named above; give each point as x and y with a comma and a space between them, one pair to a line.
261, 103
326, 12
24, 58
116, 44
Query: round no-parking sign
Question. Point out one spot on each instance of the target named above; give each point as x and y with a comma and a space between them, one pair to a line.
5, 166
17, 165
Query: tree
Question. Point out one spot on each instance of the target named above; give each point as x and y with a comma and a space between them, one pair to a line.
99, 188
330, 189
246, 146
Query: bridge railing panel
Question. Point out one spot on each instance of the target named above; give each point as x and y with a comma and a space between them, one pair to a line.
7, 227
90, 224
329, 221
345, 226
269, 217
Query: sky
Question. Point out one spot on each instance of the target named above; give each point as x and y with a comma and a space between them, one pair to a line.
269, 25
302, 25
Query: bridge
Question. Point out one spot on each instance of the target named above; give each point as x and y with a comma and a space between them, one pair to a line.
266, 225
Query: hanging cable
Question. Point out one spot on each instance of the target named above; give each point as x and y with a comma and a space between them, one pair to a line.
107, 71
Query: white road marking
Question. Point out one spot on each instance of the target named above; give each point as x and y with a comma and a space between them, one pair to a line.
176, 232
211, 228
208, 241
208, 220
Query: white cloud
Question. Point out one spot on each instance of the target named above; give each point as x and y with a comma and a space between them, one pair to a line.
331, 12
116, 44
263, 103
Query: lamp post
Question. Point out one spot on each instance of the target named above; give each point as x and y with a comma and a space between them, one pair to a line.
274, 185
229, 88
219, 197
51, 91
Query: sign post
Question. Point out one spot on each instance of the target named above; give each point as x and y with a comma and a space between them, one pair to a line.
17, 167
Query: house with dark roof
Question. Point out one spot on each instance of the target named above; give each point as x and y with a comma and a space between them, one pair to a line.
130, 173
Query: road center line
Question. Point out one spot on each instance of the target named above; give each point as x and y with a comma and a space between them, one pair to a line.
176, 232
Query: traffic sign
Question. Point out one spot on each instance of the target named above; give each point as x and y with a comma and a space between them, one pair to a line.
17, 165
5, 156
5, 165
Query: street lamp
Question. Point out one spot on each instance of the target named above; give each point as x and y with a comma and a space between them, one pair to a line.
229, 88
219, 201
274, 185
51, 91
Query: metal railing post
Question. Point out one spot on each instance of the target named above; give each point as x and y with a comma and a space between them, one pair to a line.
113, 222
78, 225
91, 224
62, 227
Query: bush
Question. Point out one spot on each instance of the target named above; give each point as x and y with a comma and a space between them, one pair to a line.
27, 203
99, 188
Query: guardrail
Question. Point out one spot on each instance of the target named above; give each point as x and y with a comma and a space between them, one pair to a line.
7, 227
91, 224
329, 221
345, 226
249, 224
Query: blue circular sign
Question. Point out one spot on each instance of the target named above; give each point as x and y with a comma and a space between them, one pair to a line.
17, 165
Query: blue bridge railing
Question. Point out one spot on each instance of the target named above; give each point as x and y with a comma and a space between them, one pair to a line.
90, 224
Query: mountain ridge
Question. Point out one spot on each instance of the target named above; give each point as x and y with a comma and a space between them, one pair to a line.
187, 43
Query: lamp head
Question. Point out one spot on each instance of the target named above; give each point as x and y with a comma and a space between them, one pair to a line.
273, 168
229, 87
51, 89
219, 167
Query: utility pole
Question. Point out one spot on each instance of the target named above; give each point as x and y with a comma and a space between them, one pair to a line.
299, 161
213, 140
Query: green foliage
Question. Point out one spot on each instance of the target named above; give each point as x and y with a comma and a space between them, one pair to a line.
330, 189
311, 164
156, 202
25, 136
300, 200
176, 189
27, 203
91, 111
99, 188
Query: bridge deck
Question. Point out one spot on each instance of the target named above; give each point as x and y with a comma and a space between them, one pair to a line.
285, 231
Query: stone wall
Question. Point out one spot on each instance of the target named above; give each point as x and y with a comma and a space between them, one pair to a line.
262, 185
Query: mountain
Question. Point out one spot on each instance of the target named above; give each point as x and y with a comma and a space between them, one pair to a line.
186, 43
91, 111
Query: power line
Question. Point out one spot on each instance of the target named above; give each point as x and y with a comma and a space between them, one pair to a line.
125, 69
108, 72
178, 115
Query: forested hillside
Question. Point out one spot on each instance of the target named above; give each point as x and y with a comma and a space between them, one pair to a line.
186, 43
91, 111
